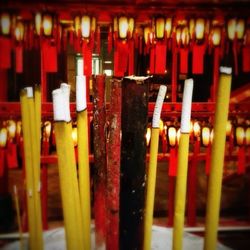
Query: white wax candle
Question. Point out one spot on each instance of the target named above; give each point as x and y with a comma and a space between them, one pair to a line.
186, 106
29, 91
58, 105
81, 103
66, 93
158, 106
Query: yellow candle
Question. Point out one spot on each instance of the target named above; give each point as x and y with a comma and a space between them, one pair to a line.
67, 169
182, 166
34, 147
84, 176
83, 158
151, 179
28, 170
180, 192
217, 159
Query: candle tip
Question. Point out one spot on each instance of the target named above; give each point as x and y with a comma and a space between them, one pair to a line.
226, 70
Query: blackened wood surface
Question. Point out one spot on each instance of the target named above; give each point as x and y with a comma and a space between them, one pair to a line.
100, 168
133, 165
113, 167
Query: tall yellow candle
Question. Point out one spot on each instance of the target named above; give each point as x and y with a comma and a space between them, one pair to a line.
217, 159
151, 179
67, 169
83, 158
28, 170
182, 166
34, 147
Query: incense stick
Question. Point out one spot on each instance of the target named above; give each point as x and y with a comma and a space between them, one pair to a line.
149, 209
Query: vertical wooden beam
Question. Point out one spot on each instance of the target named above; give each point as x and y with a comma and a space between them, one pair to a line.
113, 167
133, 162
100, 168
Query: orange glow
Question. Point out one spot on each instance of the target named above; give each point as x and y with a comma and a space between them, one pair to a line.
178, 135
216, 36
11, 128
47, 25
168, 26
197, 129
240, 28
191, 26
18, 128
231, 28
93, 24
161, 126
38, 23
172, 136
5, 24
147, 35
199, 28
131, 25
160, 25
148, 136
185, 36
205, 136
212, 136
74, 136
178, 35
47, 129
77, 24
123, 27
240, 136
19, 31
229, 128
85, 26
3, 137
248, 136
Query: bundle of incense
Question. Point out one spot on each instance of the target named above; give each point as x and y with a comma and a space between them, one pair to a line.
182, 166
151, 179
217, 158
67, 168
113, 166
83, 158
30, 119
100, 165
133, 161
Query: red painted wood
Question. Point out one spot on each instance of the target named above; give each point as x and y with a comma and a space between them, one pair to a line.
171, 194
100, 167
192, 183
216, 65
113, 167
174, 67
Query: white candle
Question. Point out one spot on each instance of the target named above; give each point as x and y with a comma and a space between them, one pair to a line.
186, 106
158, 106
81, 103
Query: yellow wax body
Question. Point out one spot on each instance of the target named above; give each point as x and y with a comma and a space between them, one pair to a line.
34, 147
68, 185
150, 195
29, 171
180, 191
84, 176
217, 162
